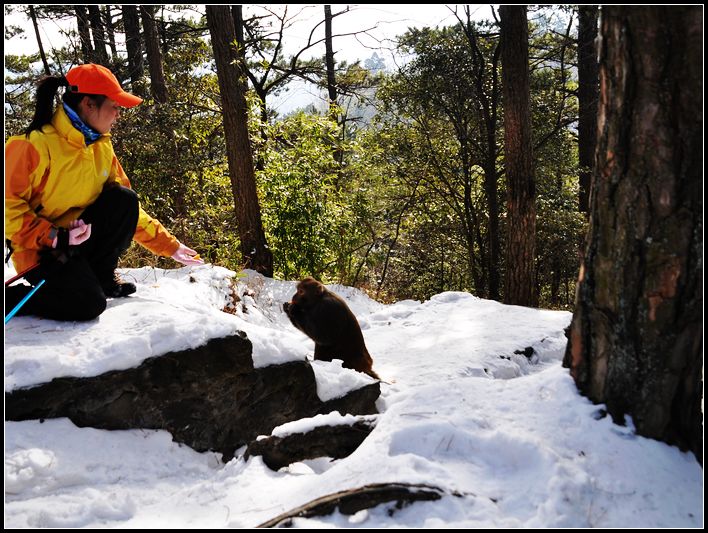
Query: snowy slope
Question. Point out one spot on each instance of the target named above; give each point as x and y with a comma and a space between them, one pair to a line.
461, 411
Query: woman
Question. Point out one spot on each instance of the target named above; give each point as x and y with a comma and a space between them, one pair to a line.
68, 203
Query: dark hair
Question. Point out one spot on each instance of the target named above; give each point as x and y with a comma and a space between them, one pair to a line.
47, 89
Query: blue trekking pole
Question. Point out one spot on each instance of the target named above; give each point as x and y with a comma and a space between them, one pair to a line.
23, 302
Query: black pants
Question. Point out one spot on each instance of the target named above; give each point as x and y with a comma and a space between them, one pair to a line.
73, 289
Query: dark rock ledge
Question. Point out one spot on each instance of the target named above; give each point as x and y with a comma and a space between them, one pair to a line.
209, 398
335, 441
351, 501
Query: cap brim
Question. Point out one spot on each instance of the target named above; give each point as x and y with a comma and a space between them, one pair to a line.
126, 99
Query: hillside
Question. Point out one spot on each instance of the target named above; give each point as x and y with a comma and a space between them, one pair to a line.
505, 436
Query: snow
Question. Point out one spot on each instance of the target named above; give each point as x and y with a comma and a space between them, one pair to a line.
459, 410
172, 310
306, 425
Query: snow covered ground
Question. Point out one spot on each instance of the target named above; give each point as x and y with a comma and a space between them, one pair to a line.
461, 411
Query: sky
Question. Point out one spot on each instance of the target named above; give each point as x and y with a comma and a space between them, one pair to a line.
459, 409
383, 22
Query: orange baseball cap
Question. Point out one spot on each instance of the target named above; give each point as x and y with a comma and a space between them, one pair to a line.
97, 79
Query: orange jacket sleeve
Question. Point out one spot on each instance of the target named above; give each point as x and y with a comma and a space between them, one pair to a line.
24, 180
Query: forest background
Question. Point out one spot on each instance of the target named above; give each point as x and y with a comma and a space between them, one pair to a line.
395, 183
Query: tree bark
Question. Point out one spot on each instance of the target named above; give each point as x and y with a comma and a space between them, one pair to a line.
133, 44
84, 34
158, 87
45, 63
232, 86
491, 192
110, 32
588, 91
338, 154
99, 35
520, 277
237, 14
261, 92
329, 58
636, 338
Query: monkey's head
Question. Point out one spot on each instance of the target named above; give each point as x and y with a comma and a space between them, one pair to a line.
309, 292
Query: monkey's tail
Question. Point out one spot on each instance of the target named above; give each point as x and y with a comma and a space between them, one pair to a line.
373, 374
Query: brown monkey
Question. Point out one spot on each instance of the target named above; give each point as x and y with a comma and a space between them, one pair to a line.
326, 319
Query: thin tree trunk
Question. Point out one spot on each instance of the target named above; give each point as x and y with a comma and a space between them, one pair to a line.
338, 154
520, 278
636, 338
329, 58
133, 44
588, 90
392, 245
555, 280
491, 192
99, 36
232, 86
488, 96
110, 31
158, 86
33, 16
84, 34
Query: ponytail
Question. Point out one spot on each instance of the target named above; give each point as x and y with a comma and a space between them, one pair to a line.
47, 89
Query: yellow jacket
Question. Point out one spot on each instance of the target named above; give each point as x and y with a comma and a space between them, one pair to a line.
51, 177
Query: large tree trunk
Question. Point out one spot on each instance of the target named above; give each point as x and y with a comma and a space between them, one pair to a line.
133, 44
520, 278
158, 86
636, 339
232, 86
588, 90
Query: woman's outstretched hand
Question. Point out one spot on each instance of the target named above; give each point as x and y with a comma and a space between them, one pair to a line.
187, 256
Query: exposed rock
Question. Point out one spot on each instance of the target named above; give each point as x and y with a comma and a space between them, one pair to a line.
210, 397
356, 402
352, 501
528, 352
325, 441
